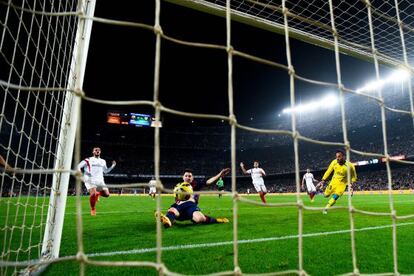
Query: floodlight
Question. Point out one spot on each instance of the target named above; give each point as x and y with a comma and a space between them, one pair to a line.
328, 101
371, 86
395, 77
399, 76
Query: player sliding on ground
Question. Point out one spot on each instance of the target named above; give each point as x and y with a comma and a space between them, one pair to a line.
185, 206
310, 188
93, 169
337, 186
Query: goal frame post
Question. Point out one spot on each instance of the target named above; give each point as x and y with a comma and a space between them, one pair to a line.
69, 124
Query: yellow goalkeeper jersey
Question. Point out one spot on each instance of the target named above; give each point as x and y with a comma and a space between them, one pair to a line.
340, 172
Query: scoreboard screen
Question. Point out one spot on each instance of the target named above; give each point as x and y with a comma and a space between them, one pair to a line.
133, 119
140, 119
118, 118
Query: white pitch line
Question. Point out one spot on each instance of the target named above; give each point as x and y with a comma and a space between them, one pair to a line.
215, 244
203, 209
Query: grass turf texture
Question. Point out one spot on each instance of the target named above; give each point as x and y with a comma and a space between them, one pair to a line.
124, 229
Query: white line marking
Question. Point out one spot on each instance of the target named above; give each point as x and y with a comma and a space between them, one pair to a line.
203, 209
215, 244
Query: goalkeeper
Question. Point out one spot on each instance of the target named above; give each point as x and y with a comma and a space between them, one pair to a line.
187, 209
337, 186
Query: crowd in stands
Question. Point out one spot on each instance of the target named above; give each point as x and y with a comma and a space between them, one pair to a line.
372, 178
207, 149
135, 154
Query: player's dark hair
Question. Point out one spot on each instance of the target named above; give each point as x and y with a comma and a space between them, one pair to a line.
188, 170
340, 151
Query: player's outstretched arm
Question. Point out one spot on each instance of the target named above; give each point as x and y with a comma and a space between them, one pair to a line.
7, 167
107, 170
329, 171
214, 179
243, 168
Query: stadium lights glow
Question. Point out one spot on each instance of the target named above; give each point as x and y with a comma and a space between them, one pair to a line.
328, 101
400, 75
396, 77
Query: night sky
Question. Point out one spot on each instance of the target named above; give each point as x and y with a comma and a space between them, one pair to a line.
121, 59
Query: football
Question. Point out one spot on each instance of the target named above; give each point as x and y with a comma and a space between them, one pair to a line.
183, 191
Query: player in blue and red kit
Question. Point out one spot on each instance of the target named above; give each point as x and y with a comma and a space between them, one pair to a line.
198, 186
187, 209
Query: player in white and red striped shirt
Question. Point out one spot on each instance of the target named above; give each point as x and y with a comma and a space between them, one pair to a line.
257, 177
93, 170
310, 187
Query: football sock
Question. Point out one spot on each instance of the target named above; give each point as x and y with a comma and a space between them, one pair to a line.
209, 220
332, 201
92, 201
262, 198
171, 216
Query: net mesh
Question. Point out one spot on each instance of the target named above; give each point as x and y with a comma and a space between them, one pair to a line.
35, 53
312, 18
42, 38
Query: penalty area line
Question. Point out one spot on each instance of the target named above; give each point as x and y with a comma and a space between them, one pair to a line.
215, 244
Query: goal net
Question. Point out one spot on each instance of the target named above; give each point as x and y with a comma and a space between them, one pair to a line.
43, 46
43, 50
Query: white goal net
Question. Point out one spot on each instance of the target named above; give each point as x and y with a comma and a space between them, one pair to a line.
43, 50
42, 45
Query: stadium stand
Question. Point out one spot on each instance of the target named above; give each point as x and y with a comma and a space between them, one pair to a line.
206, 149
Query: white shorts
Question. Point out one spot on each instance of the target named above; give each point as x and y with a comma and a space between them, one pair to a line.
152, 190
260, 187
310, 187
99, 185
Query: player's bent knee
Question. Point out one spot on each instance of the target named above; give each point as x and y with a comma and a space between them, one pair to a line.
198, 217
174, 211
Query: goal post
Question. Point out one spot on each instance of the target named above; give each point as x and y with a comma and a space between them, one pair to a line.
65, 147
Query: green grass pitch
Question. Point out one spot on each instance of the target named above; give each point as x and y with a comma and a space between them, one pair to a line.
124, 230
